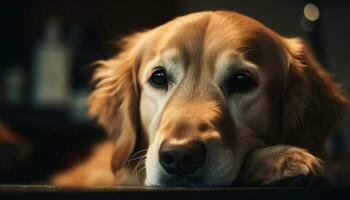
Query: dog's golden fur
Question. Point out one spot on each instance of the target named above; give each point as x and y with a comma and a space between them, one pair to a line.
312, 107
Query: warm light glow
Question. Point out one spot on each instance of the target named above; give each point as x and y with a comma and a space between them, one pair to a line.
311, 12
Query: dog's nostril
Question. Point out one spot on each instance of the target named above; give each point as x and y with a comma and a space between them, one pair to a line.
167, 159
182, 159
188, 160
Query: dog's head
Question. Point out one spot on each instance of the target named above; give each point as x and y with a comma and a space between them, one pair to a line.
201, 91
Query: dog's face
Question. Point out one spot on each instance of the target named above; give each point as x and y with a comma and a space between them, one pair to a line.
203, 90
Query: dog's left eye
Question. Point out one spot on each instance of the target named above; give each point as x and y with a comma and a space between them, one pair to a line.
241, 81
159, 78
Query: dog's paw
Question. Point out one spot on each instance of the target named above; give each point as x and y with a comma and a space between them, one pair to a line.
273, 163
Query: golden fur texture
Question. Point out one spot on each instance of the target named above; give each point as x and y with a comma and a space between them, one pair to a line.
305, 106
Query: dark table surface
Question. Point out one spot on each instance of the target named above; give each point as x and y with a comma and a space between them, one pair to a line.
52, 192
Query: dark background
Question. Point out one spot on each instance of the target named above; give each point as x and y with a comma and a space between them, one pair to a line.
49, 137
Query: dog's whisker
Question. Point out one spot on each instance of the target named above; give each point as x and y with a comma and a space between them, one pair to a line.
134, 169
137, 165
138, 152
138, 173
136, 158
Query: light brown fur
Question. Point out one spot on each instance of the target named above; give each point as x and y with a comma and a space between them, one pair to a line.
298, 90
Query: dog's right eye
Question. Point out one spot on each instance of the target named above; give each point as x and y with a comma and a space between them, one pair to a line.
159, 78
240, 82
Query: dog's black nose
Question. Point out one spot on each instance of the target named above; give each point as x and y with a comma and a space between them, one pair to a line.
182, 159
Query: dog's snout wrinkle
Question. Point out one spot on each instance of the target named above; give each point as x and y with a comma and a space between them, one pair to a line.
187, 124
182, 126
184, 158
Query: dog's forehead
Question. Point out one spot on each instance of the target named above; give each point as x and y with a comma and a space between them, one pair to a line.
203, 37
200, 40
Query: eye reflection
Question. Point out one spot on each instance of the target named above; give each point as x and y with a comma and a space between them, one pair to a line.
159, 78
241, 81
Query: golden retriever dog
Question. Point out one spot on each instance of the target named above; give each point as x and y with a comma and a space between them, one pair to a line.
207, 99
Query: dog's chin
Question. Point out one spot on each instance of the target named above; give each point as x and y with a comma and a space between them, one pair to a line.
180, 181
187, 181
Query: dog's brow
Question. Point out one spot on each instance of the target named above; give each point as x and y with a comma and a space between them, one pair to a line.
231, 62
225, 62
170, 55
173, 61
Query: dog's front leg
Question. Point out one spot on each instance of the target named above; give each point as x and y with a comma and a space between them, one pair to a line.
269, 164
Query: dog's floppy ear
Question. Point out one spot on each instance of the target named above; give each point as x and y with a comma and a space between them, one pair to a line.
114, 100
314, 104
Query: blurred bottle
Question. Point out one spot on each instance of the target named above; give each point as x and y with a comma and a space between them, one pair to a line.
52, 68
14, 84
78, 108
